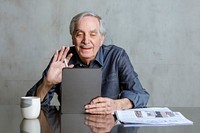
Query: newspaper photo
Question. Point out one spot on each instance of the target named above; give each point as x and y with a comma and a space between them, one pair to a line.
152, 116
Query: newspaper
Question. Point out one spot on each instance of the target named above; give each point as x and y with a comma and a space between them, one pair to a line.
154, 116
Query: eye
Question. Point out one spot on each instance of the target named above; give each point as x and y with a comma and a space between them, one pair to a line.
79, 34
93, 34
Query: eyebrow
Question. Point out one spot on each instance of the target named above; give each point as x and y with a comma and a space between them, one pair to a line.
92, 31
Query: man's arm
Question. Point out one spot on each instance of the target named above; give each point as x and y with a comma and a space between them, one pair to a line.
45, 100
132, 94
130, 83
52, 76
43, 89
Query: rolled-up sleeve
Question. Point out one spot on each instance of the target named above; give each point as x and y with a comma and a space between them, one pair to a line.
130, 84
47, 99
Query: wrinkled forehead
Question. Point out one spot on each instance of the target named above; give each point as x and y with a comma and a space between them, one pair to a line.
89, 17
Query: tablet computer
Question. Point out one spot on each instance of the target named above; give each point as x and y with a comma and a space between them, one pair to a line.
79, 87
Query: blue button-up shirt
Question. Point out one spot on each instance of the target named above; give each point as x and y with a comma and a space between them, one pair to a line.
119, 80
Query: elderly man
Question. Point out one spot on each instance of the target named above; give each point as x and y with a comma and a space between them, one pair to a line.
121, 88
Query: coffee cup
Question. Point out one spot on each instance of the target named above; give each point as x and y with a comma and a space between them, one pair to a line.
30, 107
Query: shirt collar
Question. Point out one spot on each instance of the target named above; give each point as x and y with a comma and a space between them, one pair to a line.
99, 57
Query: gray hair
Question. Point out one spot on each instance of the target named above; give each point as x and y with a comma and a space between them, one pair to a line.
79, 16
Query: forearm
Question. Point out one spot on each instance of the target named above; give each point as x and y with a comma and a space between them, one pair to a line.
43, 89
123, 104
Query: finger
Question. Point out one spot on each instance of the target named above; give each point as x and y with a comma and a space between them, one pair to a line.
69, 57
71, 66
66, 61
96, 105
99, 100
61, 53
99, 110
66, 50
55, 57
66, 64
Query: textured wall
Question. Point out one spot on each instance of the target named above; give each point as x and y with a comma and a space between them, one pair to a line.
161, 37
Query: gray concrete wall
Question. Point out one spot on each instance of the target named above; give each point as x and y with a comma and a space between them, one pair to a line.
161, 37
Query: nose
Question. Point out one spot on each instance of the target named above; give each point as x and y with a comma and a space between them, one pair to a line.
86, 39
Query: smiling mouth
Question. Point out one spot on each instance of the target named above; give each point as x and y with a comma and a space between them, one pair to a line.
85, 48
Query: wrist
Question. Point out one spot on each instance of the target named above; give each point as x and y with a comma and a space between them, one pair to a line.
122, 104
47, 83
43, 89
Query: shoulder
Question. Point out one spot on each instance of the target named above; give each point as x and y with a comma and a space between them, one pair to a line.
112, 49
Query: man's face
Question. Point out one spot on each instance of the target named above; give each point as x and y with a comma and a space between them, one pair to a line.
87, 38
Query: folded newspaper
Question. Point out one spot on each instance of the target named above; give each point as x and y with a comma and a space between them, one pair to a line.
154, 116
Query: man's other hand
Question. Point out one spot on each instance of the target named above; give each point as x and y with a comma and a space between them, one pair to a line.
103, 105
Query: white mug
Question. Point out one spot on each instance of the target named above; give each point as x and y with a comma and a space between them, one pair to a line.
30, 107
